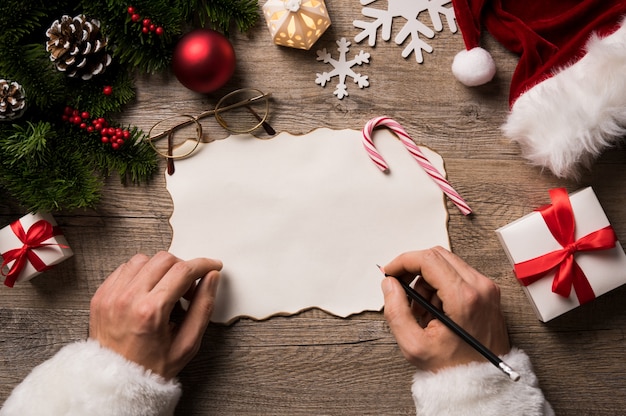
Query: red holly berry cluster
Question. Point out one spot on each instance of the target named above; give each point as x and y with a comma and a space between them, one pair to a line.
147, 25
115, 137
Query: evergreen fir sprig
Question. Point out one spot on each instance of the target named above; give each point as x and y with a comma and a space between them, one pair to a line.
220, 14
92, 99
27, 143
147, 53
50, 172
134, 162
48, 164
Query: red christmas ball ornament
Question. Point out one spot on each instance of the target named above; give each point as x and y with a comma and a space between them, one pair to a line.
203, 60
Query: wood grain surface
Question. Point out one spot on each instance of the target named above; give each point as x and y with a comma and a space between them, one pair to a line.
313, 363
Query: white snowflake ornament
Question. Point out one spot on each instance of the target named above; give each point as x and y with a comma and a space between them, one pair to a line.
410, 10
296, 23
342, 68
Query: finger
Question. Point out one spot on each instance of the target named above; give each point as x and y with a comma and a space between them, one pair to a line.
469, 274
430, 264
181, 276
427, 293
197, 318
123, 274
398, 314
154, 270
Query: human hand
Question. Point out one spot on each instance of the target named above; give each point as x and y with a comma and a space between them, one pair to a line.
130, 312
466, 296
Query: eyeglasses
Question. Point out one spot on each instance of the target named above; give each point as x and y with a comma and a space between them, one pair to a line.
241, 111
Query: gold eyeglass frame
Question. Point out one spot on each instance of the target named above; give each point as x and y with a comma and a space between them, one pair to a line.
219, 108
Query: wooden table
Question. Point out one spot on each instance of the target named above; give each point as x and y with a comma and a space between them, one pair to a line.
314, 363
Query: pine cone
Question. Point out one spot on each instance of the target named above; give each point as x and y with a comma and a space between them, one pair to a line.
12, 100
77, 46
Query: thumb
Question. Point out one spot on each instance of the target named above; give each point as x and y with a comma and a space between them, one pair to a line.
198, 315
399, 315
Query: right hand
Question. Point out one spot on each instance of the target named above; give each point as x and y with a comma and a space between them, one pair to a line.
466, 296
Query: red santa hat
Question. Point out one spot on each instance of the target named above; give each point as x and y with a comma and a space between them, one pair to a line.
568, 92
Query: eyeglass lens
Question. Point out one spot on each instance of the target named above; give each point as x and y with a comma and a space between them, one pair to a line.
243, 111
176, 137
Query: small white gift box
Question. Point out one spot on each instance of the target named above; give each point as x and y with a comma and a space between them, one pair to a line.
30, 246
530, 238
296, 23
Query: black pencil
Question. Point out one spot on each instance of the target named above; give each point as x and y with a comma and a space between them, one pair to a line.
465, 336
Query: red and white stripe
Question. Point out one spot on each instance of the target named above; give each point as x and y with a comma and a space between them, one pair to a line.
417, 154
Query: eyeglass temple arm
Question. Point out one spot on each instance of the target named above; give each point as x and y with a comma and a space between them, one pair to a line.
266, 126
245, 103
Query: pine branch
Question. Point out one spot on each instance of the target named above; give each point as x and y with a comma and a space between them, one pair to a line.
220, 14
46, 171
91, 97
30, 66
150, 52
135, 160
27, 144
48, 164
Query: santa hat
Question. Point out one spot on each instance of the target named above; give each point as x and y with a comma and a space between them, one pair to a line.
568, 92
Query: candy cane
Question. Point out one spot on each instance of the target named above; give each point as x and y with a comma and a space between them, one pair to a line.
417, 154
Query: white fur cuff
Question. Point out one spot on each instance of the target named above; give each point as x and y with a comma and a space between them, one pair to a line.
480, 389
566, 121
86, 379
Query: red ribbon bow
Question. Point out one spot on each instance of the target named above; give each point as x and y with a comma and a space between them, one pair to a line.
559, 218
38, 233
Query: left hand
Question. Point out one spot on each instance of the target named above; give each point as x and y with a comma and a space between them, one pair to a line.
130, 312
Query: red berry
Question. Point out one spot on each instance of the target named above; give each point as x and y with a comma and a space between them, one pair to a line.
77, 120
131, 10
65, 118
158, 31
68, 110
90, 129
111, 131
146, 22
84, 114
115, 146
102, 121
135, 17
145, 30
98, 126
83, 125
104, 139
152, 28
108, 90
126, 134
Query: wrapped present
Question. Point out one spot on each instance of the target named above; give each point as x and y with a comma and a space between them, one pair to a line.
296, 23
564, 254
30, 246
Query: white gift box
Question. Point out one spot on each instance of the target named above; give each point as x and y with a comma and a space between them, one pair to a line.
529, 237
53, 250
296, 23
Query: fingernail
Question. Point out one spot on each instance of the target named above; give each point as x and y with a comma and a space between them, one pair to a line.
214, 280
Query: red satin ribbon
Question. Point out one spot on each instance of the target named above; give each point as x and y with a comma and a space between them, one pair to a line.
559, 218
38, 233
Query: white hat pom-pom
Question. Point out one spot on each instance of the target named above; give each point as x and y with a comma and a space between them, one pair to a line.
474, 67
